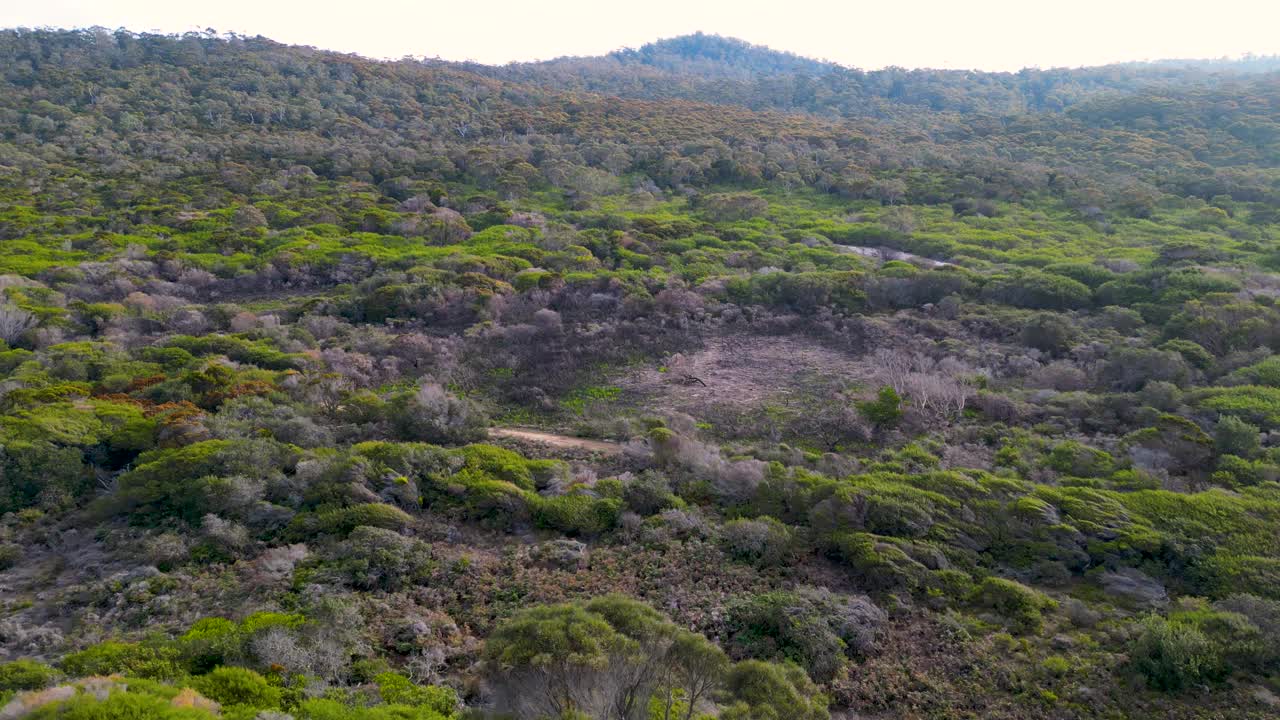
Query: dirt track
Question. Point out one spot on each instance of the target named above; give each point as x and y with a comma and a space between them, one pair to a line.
557, 441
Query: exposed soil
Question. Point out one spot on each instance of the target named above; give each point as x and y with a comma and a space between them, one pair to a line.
746, 372
561, 442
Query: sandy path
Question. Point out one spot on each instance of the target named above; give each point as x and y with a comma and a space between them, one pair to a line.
884, 254
558, 441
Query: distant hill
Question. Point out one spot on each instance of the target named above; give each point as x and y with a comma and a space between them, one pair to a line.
715, 56
672, 112
715, 69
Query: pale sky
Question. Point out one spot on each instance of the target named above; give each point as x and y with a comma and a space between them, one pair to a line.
981, 34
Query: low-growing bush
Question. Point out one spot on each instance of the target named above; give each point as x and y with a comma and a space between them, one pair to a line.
761, 540
233, 686
396, 689
25, 675
576, 513
1174, 656
377, 515
378, 558
812, 627
1019, 605
761, 690
155, 661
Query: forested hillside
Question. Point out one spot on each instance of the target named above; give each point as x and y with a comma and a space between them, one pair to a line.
698, 380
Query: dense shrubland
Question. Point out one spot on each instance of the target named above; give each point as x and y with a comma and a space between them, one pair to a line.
262, 305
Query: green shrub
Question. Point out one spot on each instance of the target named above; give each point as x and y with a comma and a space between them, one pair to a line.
1020, 605
951, 584
1073, 458
41, 474
1039, 291
118, 705
187, 482
1086, 273
877, 564
885, 411
813, 627
471, 493
396, 689
1056, 665
328, 709
379, 515
1233, 436
1190, 351
210, 642
25, 675
1174, 656
649, 493
769, 691
1049, 332
238, 686
782, 625
237, 348
151, 661
576, 513
761, 540
500, 463
380, 558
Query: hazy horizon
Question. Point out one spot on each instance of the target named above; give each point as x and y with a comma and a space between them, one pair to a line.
990, 35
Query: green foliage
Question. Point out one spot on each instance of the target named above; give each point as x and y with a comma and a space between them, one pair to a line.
877, 564
1086, 273
1254, 404
578, 655
1021, 606
1073, 458
237, 348
396, 689
730, 207
500, 463
805, 293
1233, 436
1049, 332
233, 686
1176, 655
325, 709
376, 515
541, 636
118, 706
1038, 291
1265, 373
41, 474
25, 675
761, 540
767, 691
146, 660
1181, 440
576, 513
812, 628
210, 642
185, 482
378, 558
1190, 351
885, 411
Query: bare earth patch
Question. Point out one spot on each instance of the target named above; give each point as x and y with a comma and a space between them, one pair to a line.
562, 442
747, 373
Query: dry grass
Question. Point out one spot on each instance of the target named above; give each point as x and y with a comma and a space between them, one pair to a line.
747, 372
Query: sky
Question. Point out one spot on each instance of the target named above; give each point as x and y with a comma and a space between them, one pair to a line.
974, 34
